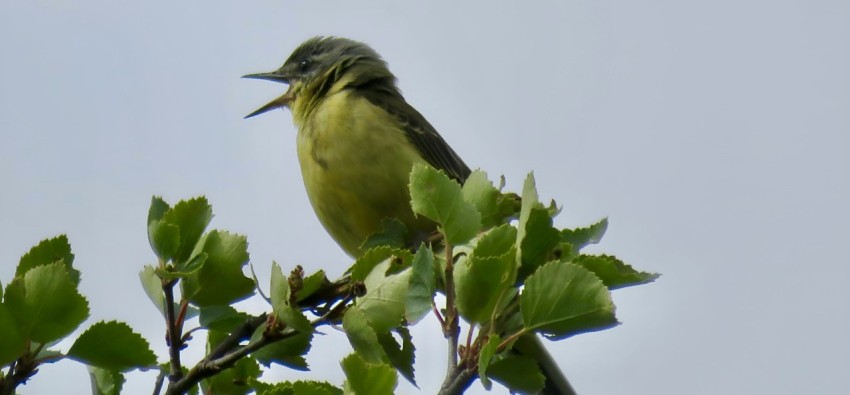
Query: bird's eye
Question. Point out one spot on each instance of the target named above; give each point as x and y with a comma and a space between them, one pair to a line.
304, 65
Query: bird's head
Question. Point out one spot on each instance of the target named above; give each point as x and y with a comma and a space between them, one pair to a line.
320, 66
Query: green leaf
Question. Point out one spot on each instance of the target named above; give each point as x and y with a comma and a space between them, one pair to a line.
112, 346
563, 299
483, 278
401, 356
233, 380
288, 351
49, 251
386, 296
529, 201
164, 239
484, 358
296, 388
281, 298
422, 286
222, 318
45, 303
479, 191
14, 343
438, 198
393, 234
157, 210
613, 272
106, 382
191, 217
582, 237
371, 258
152, 285
311, 284
220, 281
539, 242
363, 378
519, 373
362, 336
182, 269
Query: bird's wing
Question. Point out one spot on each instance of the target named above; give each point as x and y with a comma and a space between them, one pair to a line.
419, 131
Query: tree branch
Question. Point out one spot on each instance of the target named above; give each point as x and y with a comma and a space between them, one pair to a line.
174, 343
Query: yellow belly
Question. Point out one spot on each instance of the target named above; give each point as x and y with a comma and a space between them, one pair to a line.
356, 162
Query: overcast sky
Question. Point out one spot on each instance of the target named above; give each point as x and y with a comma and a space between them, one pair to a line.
715, 135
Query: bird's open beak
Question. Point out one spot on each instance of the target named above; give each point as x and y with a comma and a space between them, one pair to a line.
280, 102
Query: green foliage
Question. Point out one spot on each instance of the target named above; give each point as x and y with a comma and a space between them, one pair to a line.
125, 349
49, 251
519, 373
439, 199
422, 286
288, 352
106, 382
483, 278
364, 378
515, 275
220, 279
563, 299
45, 303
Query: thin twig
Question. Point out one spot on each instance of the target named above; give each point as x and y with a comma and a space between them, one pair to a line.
160, 379
176, 371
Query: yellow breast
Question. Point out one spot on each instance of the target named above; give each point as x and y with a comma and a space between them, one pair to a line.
356, 160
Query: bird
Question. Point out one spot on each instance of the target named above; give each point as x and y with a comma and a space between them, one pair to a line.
357, 141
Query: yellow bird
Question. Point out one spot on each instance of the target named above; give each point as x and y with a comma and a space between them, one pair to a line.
357, 139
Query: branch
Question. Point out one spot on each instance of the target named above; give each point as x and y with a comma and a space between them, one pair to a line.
171, 334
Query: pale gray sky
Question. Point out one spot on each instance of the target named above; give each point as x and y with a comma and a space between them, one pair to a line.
715, 135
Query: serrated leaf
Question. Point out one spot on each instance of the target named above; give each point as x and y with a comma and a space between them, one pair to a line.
164, 239
563, 299
315, 388
112, 346
220, 281
363, 378
439, 198
288, 352
371, 258
311, 284
529, 201
105, 382
422, 286
157, 209
14, 343
362, 336
281, 297
45, 303
479, 191
49, 251
483, 278
296, 388
191, 217
481, 283
402, 356
519, 373
233, 380
484, 358
582, 237
393, 234
539, 242
613, 272
152, 285
386, 296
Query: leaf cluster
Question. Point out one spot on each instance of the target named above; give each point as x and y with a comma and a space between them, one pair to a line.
507, 273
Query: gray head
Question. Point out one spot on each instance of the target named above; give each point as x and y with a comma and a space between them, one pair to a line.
320, 62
